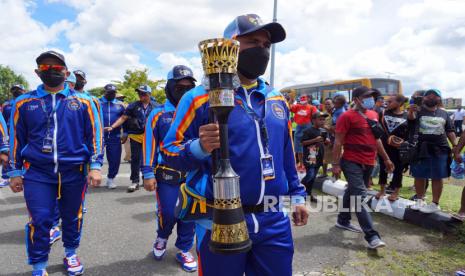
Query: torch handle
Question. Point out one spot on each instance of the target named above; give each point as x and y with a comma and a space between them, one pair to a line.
224, 142
215, 153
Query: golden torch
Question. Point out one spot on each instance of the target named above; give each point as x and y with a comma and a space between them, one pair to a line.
229, 231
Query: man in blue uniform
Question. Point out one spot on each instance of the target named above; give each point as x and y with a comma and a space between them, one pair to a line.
165, 179
16, 91
112, 110
259, 109
55, 136
4, 147
135, 117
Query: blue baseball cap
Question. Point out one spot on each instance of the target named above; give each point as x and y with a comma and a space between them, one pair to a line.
19, 86
180, 72
71, 78
315, 102
110, 87
51, 54
144, 89
249, 23
434, 91
80, 73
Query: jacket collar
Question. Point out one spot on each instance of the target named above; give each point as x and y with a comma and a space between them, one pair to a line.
41, 92
169, 106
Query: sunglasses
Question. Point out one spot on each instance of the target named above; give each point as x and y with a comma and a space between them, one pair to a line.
46, 67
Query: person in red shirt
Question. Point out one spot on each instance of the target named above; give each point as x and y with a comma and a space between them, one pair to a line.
360, 149
303, 112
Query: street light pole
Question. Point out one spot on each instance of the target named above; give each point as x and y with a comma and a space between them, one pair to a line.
273, 46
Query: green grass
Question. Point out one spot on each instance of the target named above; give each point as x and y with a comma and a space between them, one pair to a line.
444, 260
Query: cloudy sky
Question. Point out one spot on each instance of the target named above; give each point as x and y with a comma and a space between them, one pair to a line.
421, 42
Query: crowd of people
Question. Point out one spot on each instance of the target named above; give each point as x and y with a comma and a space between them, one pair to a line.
419, 125
54, 138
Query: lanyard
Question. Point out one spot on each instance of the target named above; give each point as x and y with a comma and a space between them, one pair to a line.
261, 122
49, 115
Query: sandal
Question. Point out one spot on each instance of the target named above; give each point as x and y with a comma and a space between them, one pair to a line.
459, 216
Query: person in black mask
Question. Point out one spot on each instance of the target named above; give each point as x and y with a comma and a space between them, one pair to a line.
158, 175
16, 91
261, 153
112, 110
434, 127
55, 152
180, 80
81, 81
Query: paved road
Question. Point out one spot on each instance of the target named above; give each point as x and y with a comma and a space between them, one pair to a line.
119, 229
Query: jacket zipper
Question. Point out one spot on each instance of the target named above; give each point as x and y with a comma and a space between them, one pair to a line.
260, 147
109, 121
55, 132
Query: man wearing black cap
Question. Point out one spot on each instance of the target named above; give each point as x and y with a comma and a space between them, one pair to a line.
261, 153
81, 81
54, 134
112, 110
353, 131
158, 175
136, 116
16, 91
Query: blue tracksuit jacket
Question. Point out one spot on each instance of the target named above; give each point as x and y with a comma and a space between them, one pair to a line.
181, 147
111, 111
73, 144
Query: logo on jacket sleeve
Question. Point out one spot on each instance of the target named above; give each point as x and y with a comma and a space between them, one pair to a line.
74, 105
278, 111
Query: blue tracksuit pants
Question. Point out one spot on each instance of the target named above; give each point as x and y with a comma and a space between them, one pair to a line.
167, 195
271, 253
113, 152
43, 190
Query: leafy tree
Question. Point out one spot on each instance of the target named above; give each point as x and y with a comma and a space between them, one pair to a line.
8, 78
96, 91
135, 78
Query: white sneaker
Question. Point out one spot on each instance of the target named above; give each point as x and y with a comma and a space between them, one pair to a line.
111, 184
419, 203
187, 261
159, 248
376, 243
430, 208
4, 183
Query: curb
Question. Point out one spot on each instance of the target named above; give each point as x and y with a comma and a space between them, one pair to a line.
401, 210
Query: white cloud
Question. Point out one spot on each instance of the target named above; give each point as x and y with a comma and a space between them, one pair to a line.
22, 38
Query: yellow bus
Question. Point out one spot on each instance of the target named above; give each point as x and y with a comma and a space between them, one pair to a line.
323, 90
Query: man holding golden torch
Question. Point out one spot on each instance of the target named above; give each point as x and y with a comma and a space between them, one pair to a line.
260, 153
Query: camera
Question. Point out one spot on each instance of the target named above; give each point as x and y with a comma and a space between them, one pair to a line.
324, 133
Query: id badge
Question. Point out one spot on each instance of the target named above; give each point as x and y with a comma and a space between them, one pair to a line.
267, 167
48, 144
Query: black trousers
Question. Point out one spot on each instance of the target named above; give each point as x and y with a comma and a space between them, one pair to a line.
458, 127
136, 161
393, 154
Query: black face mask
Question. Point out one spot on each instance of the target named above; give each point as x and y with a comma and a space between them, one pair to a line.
16, 93
175, 92
110, 96
52, 78
431, 102
79, 85
253, 62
